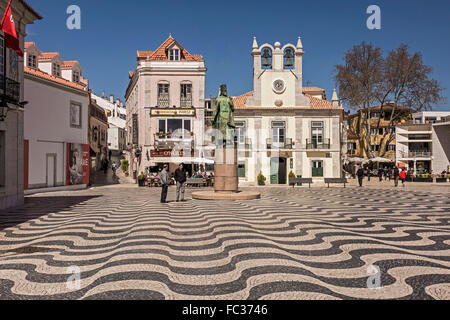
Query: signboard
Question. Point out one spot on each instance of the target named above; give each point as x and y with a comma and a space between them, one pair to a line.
167, 154
157, 112
77, 168
135, 129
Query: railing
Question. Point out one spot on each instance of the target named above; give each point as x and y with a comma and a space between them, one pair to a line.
286, 144
163, 101
416, 154
168, 141
12, 93
247, 145
186, 102
315, 145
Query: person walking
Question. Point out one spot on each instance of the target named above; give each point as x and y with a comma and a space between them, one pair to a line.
180, 178
369, 174
380, 174
403, 176
164, 179
396, 176
114, 169
360, 174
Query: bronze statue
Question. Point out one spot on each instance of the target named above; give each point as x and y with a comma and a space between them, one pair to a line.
223, 117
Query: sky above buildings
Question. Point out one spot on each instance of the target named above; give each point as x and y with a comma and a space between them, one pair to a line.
222, 31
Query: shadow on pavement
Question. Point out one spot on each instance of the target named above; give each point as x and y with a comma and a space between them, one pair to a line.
36, 207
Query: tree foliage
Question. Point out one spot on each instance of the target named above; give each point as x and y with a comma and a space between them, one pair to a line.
368, 79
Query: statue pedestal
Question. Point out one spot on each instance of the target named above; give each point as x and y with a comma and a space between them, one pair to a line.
226, 179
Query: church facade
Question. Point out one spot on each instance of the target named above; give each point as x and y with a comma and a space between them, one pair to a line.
283, 128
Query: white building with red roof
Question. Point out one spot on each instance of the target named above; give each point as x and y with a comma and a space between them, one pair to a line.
165, 106
56, 124
283, 127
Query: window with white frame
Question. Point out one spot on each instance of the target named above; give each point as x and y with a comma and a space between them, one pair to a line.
56, 70
240, 132
278, 133
317, 132
76, 77
32, 61
186, 95
174, 55
163, 95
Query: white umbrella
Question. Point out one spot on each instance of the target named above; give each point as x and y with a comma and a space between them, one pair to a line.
356, 160
381, 160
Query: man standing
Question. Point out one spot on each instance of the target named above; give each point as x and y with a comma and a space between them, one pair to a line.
396, 176
403, 176
180, 178
360, 174
164, 178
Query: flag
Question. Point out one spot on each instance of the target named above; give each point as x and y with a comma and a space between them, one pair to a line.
9, 28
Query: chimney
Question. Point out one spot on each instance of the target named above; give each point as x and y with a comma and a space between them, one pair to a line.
111, 98
335, 99
103, 94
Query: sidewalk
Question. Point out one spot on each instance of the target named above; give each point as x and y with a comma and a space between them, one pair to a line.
99, 178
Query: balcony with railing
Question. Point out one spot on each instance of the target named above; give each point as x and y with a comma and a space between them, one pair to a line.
163, 101
416, 154
286, 144
186, 101
315, 145
168, 141
12, 93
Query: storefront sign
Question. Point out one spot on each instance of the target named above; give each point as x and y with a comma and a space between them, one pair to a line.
167, 154
157, 112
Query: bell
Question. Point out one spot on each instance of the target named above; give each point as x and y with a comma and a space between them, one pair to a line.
289, 62
266, 62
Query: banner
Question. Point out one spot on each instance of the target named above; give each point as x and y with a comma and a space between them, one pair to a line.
77, 167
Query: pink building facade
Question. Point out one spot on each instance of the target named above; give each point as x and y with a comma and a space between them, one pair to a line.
165, 108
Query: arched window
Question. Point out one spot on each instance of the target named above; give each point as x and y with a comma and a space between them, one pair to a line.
266, 58
163, 94
288, 58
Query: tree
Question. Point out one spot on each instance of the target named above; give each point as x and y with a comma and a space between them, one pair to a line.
399, 84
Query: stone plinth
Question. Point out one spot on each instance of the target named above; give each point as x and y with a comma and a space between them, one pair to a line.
226, 179
225, 170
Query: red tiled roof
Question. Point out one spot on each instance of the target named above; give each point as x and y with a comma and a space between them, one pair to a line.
161, 54
29, 44
46, 76
48, 55
316, 103
69, 64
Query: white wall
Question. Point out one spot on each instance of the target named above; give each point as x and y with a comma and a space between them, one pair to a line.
441, 148
47, 126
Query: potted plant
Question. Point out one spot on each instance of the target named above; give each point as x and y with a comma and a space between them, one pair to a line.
291, 176
141, 180
125, 166
261, 179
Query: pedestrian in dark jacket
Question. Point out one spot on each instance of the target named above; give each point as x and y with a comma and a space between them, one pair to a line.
360, 174
380, 174
164, 179
180, 178
396, 176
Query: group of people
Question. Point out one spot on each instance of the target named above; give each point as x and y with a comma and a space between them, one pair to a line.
395, 174
180, 178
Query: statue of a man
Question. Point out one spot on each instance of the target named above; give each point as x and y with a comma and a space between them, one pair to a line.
223, 117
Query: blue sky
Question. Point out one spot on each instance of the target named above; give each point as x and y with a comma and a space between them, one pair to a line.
222, 31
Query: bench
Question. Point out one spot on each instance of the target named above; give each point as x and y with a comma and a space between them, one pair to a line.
294, 181
336, 180
194, 182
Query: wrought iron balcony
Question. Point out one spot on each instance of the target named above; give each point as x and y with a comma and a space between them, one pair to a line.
163, 101
12, 93
186, 102
315, 145
167, 141
286, 144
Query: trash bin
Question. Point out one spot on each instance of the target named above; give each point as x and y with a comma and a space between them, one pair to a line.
299, 184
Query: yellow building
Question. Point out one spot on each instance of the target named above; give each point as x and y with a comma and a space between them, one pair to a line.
382, 132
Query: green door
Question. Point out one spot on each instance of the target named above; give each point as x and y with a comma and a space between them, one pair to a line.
274, 168
317, 170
